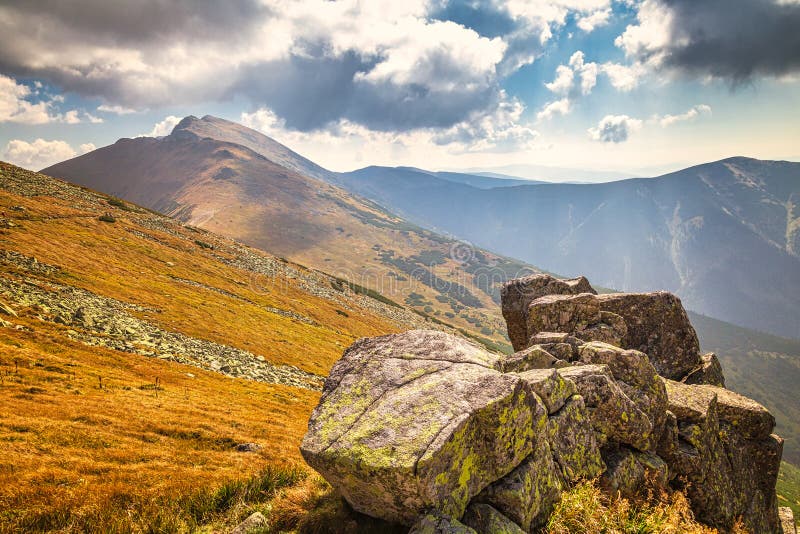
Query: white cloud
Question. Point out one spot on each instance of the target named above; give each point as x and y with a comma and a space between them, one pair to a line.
117, 110
563, 80
614, 128
598, 18
163, 128
587, 71
87, 147
691, 114
624, 77
557, 107
38, 154
651, 36
15, 107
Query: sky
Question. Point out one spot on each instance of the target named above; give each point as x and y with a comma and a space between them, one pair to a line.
638, 87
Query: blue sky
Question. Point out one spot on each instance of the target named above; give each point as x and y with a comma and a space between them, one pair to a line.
631, 86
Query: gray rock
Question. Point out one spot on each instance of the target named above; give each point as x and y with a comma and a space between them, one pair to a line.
254, 521
528, 494
709, 372
433, 523
552, 388
657, 325
573, 444
516, 296
788, 525
419, 421
535, 357
631, 472
486, 519
613, 415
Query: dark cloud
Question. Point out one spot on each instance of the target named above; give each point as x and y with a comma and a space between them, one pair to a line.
144, 21
311, 92
733, 39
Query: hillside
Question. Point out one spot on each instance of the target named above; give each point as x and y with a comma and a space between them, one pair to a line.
135, 351
724, 235
227, 188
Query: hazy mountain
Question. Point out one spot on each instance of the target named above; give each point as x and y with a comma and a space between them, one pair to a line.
196, 175
482, 181
546, 173
724, 235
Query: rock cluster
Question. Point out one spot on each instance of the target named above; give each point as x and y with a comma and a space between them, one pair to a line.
428, 430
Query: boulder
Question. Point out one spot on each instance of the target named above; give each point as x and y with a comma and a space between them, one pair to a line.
631, 472
726, 463
419, 421
516, 296
657, 325
486, 519
534, 357
572, 441
635, 375
551, 387
708, 372
528, 494
613, 415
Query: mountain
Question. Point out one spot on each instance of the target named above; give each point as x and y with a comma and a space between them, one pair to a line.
482, 181
141, 359
724, 235
201, 175
547, 174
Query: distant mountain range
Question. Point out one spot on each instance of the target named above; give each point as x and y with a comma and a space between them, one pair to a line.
231, 180
724, 235
715, 234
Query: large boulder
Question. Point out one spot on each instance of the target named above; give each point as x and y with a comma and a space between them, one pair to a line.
419, 421
613, 415
572, 441
721, 451
516, 296
657, 325
579, 315
528, 494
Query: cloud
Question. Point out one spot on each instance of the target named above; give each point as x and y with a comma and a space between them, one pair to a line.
734, 40
614, 128
691, 114
563, 80
599, 18
16, 105
117, 110
382, 64
624, 77
557, 107
162, 128
40, 153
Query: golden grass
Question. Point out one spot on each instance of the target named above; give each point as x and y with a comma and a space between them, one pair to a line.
73, 451
585, 509
108, 260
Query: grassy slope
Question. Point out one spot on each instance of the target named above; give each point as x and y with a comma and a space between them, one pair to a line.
789, 488
76, 453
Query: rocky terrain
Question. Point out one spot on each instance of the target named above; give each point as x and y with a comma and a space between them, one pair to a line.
433, 432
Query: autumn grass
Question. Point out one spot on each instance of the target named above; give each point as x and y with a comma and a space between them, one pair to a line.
585, 509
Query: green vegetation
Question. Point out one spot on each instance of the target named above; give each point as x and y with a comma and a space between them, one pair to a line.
107, 218
789, 488
340, 283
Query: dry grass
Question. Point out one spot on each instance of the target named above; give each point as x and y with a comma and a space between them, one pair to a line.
585, 509
77, 457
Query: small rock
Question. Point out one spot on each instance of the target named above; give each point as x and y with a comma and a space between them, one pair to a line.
433, 523
254, 521
248, 447
709, 372
552, 388
788, 525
